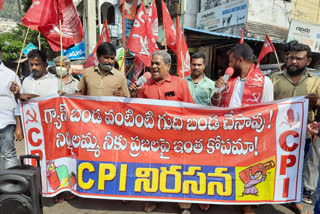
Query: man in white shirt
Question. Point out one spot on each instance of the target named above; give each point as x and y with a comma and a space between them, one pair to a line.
247, 86
40, 82
9, 124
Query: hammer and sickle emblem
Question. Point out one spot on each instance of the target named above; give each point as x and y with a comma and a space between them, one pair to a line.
255, 98
33, 117
258, 78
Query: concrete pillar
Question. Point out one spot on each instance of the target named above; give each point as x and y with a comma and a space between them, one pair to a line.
90, 25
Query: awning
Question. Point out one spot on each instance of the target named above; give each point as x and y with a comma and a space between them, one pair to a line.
197, 38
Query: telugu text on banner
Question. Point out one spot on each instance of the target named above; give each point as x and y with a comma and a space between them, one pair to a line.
140, 149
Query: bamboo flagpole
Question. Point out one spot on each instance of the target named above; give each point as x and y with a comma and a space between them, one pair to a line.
39, 40
275, 53
165, 40
24, 43
60, 55
129, 69
123, 42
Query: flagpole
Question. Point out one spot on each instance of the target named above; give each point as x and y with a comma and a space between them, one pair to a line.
182, 64
165, 40
275, 53
60, 55
129, 70
123, 42
39, 39
24, 42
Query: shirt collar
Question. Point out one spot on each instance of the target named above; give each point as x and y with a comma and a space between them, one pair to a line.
204, 79
44, 77
304, 76
96, 69
285, 73
71, 78
167, 79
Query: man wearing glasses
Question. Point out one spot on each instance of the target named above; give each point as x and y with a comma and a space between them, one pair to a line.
294, 81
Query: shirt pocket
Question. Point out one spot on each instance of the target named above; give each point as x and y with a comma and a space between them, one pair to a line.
203, 94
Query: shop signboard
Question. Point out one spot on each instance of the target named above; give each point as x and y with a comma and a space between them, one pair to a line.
223, 14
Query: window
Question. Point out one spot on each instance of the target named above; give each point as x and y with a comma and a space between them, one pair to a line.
107, 12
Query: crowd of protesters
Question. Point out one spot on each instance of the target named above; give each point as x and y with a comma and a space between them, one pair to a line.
105, 80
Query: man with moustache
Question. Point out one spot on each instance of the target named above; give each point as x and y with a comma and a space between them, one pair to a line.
163, 86
200, 86
247, 86
40, 82
104, 79
296, 80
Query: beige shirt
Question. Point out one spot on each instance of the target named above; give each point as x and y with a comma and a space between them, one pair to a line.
284, 87
93, 83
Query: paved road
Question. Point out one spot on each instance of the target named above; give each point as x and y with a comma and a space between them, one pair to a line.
94, 206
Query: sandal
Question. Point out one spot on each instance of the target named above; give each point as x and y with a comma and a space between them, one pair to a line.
69, 196
185, 211
298, 208
150, 206
59, 199
204, 208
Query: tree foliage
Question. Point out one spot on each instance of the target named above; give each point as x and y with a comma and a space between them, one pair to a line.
12, 42
15, 40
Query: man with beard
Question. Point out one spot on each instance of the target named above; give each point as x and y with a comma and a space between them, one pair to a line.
247, 86
69, 83
40, 82
200, 86
104, 79
237, 91
296, 80
163, 86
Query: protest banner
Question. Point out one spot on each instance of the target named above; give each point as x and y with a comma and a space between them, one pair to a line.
143, 149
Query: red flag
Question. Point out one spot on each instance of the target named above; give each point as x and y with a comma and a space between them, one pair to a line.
266, 48
104, 37
1, 4
169, 28
183, 56
153, 19
32, 17
141, 40
138, 68
64, 10
241, 39
128, 8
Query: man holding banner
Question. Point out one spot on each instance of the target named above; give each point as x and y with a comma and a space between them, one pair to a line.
104, 79
40, 82
163, 86
247, 86
296, 80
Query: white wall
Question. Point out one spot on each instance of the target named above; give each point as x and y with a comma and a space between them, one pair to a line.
191, 8
271, 12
